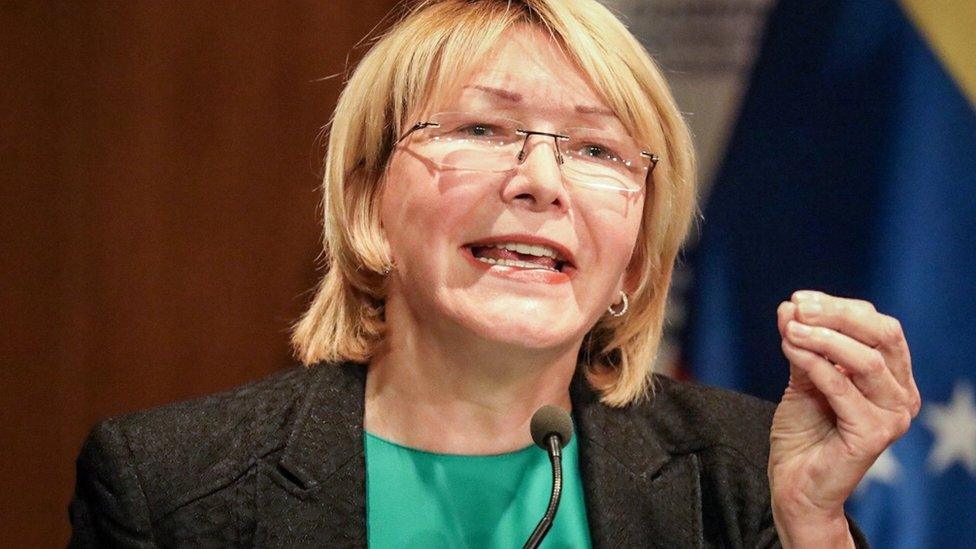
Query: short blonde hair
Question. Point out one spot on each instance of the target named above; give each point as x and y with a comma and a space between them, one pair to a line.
424, 51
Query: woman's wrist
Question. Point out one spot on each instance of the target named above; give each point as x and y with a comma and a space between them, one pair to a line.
799, 528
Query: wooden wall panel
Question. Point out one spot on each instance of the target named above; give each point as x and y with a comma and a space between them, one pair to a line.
158, 164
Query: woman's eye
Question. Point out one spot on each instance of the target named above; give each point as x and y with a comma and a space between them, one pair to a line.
478, 130
594, 150
598, 152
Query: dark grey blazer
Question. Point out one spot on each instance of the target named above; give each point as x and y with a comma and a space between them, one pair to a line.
280, 463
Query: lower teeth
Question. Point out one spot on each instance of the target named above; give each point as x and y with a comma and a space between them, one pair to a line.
514, 263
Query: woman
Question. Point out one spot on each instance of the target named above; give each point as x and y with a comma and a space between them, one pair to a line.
506, 188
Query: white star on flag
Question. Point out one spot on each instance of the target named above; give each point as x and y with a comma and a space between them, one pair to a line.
954, 427
884, 470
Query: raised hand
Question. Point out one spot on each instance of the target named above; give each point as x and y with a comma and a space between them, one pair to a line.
851, 395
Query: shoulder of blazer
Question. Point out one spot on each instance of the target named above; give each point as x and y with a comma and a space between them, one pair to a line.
689, 418
185, 450
675, 468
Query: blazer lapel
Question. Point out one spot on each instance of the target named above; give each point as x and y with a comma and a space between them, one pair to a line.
315, 495
637, 493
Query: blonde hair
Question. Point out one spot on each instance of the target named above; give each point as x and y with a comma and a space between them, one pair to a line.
425, 51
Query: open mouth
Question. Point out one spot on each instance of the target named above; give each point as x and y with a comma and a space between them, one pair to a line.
521, 256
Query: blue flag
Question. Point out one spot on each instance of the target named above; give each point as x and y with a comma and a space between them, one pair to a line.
852, 170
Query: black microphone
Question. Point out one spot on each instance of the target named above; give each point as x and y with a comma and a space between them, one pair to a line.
551, 429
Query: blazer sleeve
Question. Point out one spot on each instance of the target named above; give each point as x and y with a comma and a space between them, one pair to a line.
109, 507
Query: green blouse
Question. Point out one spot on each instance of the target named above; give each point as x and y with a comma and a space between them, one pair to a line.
420, 499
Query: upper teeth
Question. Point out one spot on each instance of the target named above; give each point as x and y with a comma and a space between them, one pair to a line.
529, 249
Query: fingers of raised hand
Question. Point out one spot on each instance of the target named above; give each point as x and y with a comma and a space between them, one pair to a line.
839, 390
874, 428
866, 365
877, 336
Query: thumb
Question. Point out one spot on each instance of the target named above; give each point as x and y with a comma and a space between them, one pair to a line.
786, 312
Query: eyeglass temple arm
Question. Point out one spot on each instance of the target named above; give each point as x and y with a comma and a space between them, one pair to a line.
415, 127
654, 160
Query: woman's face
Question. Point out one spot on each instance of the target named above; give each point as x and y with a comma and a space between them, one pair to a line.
439, 221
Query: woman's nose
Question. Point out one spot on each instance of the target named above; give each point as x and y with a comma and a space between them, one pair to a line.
538, 180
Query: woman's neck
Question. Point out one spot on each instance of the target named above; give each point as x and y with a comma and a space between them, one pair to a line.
440, 389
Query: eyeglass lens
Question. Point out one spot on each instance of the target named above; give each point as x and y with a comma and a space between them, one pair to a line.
490, 143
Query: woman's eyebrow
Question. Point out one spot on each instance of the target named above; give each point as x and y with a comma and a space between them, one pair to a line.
590, 109
515, 97
507, 95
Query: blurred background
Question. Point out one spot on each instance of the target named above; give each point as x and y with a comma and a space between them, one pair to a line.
160, 216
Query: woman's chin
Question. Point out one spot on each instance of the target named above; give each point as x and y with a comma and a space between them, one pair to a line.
525, 329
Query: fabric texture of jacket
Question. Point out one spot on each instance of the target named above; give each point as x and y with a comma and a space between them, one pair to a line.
280, 463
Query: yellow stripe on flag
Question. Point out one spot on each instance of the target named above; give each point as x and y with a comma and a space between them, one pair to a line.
949, 26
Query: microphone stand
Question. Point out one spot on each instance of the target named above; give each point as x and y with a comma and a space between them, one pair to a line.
556, 459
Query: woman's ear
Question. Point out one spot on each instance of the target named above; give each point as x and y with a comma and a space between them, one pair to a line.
630, 279
382, 242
